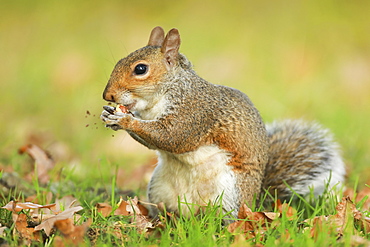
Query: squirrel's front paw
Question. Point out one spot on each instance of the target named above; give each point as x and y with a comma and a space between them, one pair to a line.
114, 120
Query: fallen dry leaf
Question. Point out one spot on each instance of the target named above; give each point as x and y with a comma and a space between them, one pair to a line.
143, 209
284, 238
18, 206
251, 223
317, 226
122, 208
363, 194
137, 215
43, 161
48, 224
25, 232
284, 208
104, 208
2, 229
139, 219
132, 207
347, 214
65, 202
71, 235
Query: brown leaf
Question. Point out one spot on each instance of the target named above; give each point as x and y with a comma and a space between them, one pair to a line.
104, 208
317, 225
251, 223
140, 220
144, 211
284, 208
346, 211
18, 206
65, 202
245, 227
55, 208
2, 229
25, 232
72, 235
272, 215
333, 224
363, 194
360, 219
43, 161
346, 215
142, 223
244, 212
48, 224
122, 208
284, 238
133, 208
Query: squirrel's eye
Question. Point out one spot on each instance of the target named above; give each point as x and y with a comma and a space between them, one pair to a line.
140, 69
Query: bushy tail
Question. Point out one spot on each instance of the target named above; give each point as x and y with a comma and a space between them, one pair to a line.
303, 155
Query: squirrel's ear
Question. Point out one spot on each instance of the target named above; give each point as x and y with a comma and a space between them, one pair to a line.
156, 37
170, 47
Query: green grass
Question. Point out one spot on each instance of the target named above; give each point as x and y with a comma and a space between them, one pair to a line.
295, 59
204, 229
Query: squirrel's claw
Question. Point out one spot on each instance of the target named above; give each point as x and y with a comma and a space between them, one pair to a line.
109, 109
113, 120
114, 127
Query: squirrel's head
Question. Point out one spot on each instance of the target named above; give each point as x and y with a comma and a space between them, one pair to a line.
136, 78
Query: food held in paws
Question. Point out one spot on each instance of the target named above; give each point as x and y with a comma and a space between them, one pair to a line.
121, 108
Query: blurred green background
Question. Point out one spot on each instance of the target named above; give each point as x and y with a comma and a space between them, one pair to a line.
295, 59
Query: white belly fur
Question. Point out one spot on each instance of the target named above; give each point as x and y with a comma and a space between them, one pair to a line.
197, 177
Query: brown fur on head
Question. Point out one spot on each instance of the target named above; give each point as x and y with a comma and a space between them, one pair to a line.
144, 68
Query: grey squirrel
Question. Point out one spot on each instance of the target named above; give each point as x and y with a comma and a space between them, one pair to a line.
210, 139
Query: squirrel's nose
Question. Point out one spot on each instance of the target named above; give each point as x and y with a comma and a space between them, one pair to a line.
108, 96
